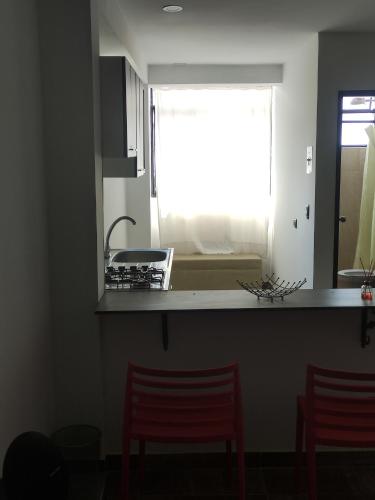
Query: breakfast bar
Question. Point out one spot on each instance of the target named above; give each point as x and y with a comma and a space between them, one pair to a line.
272, 341
225, 300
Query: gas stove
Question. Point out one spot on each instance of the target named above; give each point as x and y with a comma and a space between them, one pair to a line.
135, 277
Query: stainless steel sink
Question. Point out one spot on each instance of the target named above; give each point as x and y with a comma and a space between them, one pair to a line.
137, 255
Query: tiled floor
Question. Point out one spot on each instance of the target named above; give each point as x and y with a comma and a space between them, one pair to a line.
87, 486
176, 483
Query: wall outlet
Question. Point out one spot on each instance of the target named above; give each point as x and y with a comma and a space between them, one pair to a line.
309, 159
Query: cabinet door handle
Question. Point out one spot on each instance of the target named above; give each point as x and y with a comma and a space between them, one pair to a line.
342, 218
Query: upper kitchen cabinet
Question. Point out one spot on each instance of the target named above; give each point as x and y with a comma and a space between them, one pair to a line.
122, 94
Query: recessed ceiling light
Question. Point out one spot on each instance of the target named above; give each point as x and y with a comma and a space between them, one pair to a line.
172, 9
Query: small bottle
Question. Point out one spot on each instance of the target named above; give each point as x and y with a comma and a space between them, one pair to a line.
366, 291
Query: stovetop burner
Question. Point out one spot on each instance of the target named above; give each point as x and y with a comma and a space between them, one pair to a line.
134, 277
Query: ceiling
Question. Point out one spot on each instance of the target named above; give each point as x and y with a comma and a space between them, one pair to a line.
237, 31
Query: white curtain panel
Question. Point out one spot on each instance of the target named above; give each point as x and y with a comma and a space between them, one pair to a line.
365, 250
213, 155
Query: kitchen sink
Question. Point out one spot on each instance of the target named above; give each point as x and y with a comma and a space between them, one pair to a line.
138, 269
137, 255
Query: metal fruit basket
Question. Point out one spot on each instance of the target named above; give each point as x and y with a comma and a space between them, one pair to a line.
271, 288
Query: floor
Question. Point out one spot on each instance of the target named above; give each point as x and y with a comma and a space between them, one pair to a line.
176, 482
87, 486
263, 483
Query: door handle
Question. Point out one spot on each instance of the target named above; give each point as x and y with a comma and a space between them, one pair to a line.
342, 218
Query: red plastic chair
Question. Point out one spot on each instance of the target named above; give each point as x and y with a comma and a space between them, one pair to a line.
337, 410
191, 406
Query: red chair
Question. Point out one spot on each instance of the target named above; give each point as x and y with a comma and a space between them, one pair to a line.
191, 406
337, 410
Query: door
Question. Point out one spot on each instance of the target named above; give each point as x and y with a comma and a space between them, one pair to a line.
356, 113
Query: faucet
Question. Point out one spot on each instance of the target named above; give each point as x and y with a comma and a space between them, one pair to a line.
107, 248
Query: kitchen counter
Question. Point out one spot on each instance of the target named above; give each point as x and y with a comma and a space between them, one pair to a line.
227, 300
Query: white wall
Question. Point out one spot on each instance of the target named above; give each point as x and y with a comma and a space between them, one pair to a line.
26, 374
345, 63
114, 206
70, 56
293, 189
138, 206
128, 197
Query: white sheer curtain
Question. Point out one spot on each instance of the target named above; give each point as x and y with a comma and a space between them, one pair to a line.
213, 149
365, 250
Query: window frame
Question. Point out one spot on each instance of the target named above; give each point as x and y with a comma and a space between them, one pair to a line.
154, 191
343, 111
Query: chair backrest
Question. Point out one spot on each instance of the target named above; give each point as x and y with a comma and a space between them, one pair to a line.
340, 400
183, 398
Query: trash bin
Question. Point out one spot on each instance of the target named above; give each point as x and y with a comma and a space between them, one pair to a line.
78, 442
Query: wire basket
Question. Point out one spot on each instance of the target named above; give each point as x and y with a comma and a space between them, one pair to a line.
271, 288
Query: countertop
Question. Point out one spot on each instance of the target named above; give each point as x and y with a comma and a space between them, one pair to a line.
227, 300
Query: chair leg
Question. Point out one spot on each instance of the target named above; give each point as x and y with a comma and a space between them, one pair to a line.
125, 469
299, 449
241, 468
229, 460
142, 448
311, 469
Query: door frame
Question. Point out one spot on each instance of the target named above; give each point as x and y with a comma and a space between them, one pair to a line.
341, 95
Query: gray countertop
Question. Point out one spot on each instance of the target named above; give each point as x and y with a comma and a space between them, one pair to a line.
227, 300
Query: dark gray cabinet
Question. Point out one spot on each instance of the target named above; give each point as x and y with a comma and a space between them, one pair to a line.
131, 109
122, 94
140, 122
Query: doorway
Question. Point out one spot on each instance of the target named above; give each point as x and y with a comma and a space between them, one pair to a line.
356, 111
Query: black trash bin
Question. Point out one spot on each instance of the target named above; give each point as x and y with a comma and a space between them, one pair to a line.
80, 447
33, 468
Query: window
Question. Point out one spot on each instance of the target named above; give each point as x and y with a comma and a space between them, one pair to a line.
212, 159
357, 113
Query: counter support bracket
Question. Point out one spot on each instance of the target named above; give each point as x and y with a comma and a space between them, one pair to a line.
365, 326
164, 331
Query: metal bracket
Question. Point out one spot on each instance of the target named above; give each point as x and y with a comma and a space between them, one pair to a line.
164, 331
365, 326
